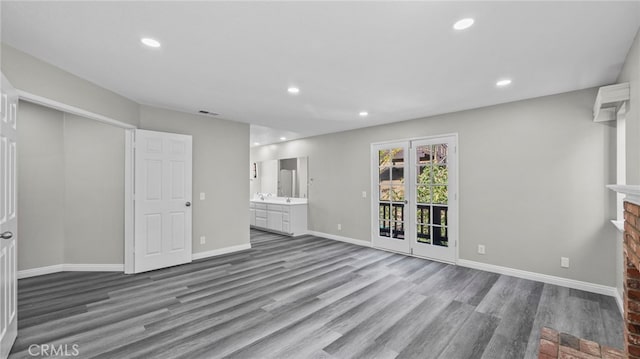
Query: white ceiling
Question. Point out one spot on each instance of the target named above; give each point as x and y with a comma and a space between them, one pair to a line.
396, 60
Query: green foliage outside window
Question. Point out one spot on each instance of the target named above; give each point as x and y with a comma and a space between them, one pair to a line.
433, 180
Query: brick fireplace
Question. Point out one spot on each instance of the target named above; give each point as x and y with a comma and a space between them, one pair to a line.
631, 269
631, 298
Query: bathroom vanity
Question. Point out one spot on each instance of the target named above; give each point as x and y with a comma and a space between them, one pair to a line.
279, 214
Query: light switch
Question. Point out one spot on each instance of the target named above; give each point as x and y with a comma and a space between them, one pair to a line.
202, 196
364, 194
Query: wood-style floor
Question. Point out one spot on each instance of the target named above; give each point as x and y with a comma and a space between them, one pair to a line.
305, 297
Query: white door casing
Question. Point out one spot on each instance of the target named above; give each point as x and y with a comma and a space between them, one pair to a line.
162, 206
8, 218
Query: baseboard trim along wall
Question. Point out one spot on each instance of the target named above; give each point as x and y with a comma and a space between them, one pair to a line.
70, 268
221, 251
563, 282
358, 242
544, 278
27, 273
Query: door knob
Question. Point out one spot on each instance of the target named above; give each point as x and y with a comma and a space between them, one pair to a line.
6, 235
188, 204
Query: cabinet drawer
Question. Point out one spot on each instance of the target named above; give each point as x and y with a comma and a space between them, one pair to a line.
274, 208
260, 205
285, 216
261, 213
252, 205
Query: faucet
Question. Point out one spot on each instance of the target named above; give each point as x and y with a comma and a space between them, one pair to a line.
288, 200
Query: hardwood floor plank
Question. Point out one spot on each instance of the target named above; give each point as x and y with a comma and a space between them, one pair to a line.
436, 336
472, 339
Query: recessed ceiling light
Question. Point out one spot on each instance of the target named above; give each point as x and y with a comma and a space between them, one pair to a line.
363, 114
293, 90
503, 83
256, 143
150, 42
283, 138
463, 24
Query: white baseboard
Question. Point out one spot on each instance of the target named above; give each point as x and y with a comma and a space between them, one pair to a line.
564, 282
70, 268
358, 242
115, 267
620, 302
221, 251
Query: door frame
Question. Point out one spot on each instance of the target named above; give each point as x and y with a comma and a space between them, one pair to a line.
455, 208
129, 130
129, 201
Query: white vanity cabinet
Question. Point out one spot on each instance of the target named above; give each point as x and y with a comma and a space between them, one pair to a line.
288, 218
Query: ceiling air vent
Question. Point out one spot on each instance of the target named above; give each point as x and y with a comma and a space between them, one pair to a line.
205, 112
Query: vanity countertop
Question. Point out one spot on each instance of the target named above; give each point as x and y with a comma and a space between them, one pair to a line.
280, 200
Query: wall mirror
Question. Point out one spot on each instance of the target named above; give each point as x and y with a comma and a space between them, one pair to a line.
286, 177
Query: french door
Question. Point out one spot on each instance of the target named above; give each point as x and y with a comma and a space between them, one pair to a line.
414, 205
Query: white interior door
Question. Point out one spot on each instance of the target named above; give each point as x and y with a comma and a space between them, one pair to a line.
389, 195
8, 218
414, 207
162, 203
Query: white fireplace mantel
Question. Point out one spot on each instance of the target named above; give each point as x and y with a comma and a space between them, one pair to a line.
632, 193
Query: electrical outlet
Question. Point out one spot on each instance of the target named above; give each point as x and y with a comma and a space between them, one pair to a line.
202, 196
339, 226
364, 194
203, 240
481, 249
564, 262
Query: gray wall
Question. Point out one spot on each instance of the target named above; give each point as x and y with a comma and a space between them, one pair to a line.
631, 73
71, 171
220, 157
532, 183
94, 192
37, 77
40, 186
71, 189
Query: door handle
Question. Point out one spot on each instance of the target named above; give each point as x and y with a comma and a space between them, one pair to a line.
6, 235
188, 204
